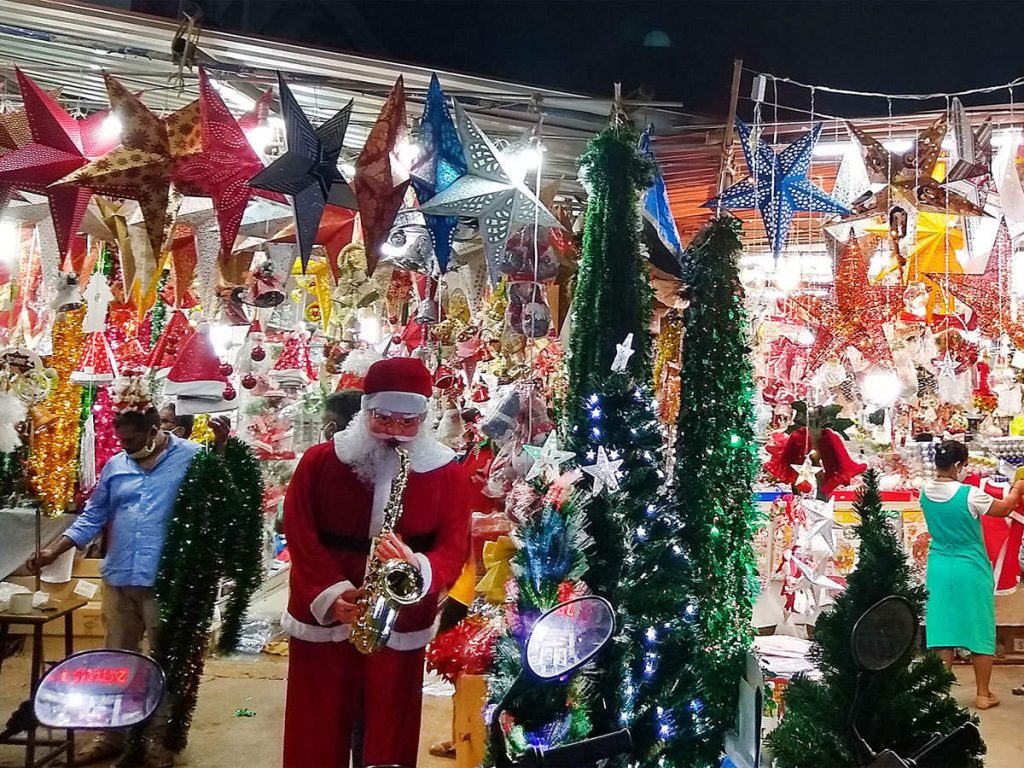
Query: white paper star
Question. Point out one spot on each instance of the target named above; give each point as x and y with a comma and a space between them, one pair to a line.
489, 193
547, 458
824, 521
806, 472
946, 368
604, 471
623, 352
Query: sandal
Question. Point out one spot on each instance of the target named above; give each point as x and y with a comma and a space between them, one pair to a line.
443, 749
100, 748
986, 702
1018, 691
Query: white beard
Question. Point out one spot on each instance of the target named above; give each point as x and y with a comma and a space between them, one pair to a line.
372, 459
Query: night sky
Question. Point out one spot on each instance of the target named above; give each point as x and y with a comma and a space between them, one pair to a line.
894, 46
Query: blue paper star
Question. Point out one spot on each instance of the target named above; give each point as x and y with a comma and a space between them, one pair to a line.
778, 185
440, 164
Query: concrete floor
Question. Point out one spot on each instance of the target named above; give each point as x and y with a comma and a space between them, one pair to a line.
221, 740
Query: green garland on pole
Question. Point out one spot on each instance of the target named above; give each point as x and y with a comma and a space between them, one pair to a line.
158, 315
215, 532
716, 465
902, 706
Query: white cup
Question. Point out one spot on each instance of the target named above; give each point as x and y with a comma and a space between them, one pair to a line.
21, 602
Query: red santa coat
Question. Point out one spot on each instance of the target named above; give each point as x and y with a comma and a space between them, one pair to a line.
330, 514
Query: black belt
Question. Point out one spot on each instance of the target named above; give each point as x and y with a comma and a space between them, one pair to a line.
361, 545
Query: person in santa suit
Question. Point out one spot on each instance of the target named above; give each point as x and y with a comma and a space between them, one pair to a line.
333, 509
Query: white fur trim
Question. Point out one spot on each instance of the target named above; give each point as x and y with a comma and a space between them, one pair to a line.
208, 388
397, 402
399, 641
322, 604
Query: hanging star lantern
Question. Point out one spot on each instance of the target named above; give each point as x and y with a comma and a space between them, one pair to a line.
823, 521
946, 367
60, 145
143, 166
778, 185
488, 193
222, 169
440, 164
308, 171
381, 177
548, 458
604, 471
623, 352
852, 313
989, 294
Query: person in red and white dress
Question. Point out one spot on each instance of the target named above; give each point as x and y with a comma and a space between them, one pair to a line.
333, 509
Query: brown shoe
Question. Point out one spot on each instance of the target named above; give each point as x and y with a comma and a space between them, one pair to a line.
986, 702
97, 749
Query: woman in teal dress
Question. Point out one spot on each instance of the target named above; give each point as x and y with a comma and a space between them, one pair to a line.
961, 610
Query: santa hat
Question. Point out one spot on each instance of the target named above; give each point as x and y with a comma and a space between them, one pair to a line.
96, 363
399, 384
355, 366
131, 355
196, 378
294, 368
167, 347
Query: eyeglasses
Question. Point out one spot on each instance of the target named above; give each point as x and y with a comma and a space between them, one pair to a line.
395, 419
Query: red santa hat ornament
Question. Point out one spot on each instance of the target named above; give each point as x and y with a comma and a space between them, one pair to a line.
96, 363
355, 367
294, 368
398, 384
167, 347
196, 379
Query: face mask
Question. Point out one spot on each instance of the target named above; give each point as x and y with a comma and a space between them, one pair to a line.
144, 453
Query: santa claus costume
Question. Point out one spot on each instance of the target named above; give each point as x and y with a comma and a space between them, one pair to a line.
333, 509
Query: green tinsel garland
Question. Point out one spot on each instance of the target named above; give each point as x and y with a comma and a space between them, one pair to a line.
716, 465
243, 545
213, 533
158, 315
905, 704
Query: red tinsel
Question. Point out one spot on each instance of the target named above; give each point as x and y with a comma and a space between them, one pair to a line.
465, 649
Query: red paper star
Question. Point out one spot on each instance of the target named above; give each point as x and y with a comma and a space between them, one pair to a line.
142, 167
988, 294
381, 180
60, 145
223, 167
337, 226
852, 313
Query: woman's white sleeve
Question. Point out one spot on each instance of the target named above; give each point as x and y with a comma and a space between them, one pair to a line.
978, 502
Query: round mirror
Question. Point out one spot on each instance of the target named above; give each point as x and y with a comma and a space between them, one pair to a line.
568, 636
99, 689
883, 633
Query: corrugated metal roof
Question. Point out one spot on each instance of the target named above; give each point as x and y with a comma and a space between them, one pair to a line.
67, 45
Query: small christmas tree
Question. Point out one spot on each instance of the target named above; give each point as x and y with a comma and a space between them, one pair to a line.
904, 705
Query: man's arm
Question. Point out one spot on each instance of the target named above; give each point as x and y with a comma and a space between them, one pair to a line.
86, 528
316, 579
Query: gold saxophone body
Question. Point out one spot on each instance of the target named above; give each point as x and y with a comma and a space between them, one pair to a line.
389, 584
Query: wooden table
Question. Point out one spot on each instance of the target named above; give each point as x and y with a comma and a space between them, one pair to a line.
36, 619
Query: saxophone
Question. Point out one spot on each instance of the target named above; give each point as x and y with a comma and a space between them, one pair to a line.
389, 584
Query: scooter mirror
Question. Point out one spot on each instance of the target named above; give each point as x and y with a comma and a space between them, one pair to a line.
99, 690
883, 634
568, 636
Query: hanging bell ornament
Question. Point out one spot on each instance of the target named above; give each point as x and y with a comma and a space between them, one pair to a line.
249, 381
426, 313
258, 353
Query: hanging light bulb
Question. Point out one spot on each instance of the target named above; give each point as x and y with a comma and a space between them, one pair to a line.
881, 388
111, 125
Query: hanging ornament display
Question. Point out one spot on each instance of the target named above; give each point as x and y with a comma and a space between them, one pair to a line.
195, 378
170, 343
96, 364
294, 368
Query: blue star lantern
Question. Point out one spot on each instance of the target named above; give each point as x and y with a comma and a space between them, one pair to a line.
778, 185
440, 164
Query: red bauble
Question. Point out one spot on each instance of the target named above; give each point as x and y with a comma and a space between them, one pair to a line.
248, 381
229, 392
396, 339
226, 369
258, 353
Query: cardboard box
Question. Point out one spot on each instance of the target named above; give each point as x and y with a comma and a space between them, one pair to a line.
1010, 641
470, 733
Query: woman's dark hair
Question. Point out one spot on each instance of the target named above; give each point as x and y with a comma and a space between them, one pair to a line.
949, 452
143, 422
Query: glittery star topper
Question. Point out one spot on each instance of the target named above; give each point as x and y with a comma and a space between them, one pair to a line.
308, 171
604, 471
778, 185
548, 458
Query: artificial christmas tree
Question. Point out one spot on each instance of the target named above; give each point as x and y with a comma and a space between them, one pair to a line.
904, 705
716, 464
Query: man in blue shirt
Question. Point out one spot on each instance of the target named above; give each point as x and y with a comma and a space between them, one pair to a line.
133, 500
